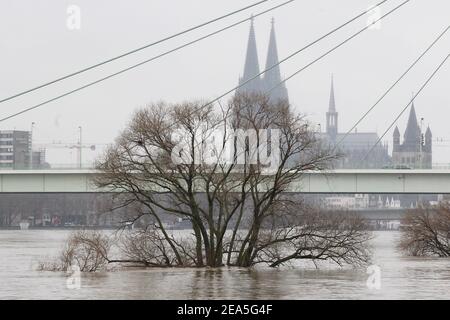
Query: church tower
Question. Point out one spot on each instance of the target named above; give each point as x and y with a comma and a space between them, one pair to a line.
270, 82
332, 116
416, 150
272, 78
251, 67
428, 149
396, 137
428, 140
412, 136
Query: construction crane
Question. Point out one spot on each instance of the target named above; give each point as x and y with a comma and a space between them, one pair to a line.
67, 145
70, 145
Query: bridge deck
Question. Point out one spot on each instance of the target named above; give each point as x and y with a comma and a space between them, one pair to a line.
337, 181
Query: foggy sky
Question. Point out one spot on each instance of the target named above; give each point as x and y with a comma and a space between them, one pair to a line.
36, 46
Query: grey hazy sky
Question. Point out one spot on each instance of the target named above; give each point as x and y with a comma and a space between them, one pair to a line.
36, 46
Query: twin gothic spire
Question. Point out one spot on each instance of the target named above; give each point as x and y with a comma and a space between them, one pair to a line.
270, 82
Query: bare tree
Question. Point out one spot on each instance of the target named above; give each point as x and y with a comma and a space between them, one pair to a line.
149, 247
300, 151
230, 186
88, 250
141, 166
426, 231
298, 232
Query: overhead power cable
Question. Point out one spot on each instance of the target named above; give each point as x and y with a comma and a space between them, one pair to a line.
304, 48
130, 52
392, 86
407, 106
142, 63
245, 82
338, 46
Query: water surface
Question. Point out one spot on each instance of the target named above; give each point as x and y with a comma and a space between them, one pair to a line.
401, 277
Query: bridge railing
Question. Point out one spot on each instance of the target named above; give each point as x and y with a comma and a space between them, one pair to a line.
53, 166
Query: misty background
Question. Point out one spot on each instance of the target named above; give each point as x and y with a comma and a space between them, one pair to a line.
36, 46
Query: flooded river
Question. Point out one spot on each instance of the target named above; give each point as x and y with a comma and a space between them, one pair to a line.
401, 277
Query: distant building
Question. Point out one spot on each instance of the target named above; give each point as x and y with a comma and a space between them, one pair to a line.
15, 151
389, 202
270, 83
416, 150
348, 202
353, 146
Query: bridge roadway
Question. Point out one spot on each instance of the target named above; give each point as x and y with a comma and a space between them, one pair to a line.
336, 181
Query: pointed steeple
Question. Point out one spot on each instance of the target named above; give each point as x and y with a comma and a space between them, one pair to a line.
396, 136
332, 115
396, 132
412, 132
273, 75
332, 104
428, 140
251, 67
272, 78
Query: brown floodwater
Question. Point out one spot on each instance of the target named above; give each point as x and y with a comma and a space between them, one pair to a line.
401, 277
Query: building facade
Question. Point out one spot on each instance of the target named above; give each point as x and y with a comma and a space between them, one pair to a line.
349, 202
416, 150
353, 146
15, 151
359, 150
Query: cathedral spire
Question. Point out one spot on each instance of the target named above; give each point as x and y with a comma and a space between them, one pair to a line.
332, 104
332, 115
251, 67
396, 132
412, 132
396, 137
272, 78
428, 140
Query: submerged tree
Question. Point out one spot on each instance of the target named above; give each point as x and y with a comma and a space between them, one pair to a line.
426, 231
227, 171
85, 249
